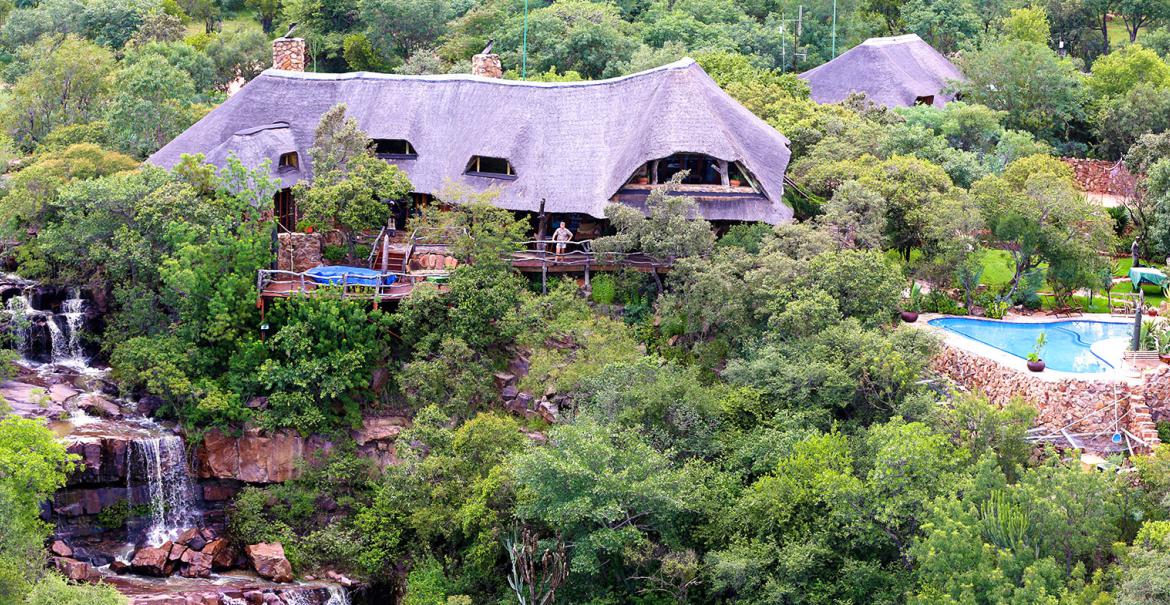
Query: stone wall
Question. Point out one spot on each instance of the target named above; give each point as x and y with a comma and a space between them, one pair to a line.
298, 252
288, 54
1085, 404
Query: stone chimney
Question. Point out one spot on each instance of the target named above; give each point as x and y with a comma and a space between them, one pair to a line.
487, 65
288, 54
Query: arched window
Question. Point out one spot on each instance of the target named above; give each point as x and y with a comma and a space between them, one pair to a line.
394, 149
926, 100
498, 168
289, 160
702, 170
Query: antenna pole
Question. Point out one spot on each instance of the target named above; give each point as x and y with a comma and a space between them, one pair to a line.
834, 29
524, 50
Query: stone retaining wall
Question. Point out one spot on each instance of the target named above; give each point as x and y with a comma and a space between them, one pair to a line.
1062, 402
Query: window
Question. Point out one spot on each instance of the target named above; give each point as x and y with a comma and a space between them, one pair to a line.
394, 148
927, 100
704, 170
499, 168
284, 210
289, 160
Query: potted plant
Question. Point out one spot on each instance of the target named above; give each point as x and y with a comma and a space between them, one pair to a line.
913, 306
1035, 363
734, 182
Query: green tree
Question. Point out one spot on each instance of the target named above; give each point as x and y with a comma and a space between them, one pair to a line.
1027, 25
33, 465
267, 11
1036, 208
1120, 71
65, 83
239, 54
668, 233
401, 27
150, 106
577, 35
354, 200
1041, 92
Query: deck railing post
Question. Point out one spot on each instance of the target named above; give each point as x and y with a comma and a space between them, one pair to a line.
344, 284
303, 289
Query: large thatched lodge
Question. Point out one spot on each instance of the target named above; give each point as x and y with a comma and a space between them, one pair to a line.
570, 149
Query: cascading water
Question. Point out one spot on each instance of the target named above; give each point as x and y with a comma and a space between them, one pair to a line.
161, 463
64, 330
337, 596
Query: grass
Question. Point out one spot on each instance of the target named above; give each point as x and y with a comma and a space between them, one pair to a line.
998, 270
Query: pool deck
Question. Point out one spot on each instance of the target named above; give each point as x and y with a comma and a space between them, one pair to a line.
1109, 350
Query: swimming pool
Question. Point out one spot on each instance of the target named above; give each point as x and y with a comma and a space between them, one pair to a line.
1069, 342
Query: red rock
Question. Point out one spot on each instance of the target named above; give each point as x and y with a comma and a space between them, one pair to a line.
220, 455
380, 429
199, 566
253, 459
61, 549
268, 560
185, 537
76, 571
217, 493
152, 561
220, 553
176, 553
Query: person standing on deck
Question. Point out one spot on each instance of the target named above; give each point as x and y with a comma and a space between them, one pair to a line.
1133, 251
562, 236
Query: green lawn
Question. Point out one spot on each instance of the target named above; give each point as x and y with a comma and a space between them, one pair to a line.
998, 271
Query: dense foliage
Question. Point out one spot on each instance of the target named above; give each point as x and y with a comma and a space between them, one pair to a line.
749, 427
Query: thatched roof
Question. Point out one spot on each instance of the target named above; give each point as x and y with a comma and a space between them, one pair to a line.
894, 72
573, 144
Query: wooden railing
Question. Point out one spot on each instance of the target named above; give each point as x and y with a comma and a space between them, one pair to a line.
275, 282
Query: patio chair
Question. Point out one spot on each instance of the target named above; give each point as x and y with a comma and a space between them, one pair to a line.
1123, 305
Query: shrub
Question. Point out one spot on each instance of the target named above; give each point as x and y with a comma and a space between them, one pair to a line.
604, 289
334, 254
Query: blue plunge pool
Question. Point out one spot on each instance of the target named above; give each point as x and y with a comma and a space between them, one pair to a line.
1069, 347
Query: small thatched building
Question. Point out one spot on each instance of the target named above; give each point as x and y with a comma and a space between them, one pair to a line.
895, 72
573, 147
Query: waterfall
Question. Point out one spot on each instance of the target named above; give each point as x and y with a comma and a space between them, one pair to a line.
337, 596
226, 600
162, 463
333, 595
64, 330
20, 309
73, 308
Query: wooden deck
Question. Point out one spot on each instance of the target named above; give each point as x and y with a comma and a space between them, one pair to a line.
536, 257
273, 283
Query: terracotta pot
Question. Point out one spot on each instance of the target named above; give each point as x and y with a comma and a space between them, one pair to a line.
309, 229
641, 180
1152, 312
909, 316
1036, 366
735, 182
1165, 358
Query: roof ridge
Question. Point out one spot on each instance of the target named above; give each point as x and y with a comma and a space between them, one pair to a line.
679, 65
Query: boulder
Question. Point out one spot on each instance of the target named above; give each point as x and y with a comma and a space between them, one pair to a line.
268, 560
219, 455
198, 565
379, 429
192, 538
151, 561
220, 553
176, 553
97, 405
76, 571
60, 549
119, 567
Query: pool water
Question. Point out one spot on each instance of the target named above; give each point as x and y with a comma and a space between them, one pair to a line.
1069, 342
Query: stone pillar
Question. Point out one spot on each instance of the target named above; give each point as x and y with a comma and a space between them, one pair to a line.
487, 65
288, 54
